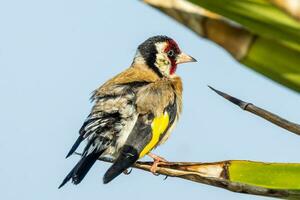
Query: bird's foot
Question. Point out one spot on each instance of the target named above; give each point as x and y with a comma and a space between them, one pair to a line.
157, 160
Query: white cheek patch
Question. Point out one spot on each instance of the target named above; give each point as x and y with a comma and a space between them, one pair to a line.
162, 61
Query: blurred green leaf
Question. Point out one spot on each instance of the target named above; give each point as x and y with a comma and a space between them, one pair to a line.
255, 32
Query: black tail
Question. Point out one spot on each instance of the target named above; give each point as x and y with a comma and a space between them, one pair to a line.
75, 145
126, 159
81, 168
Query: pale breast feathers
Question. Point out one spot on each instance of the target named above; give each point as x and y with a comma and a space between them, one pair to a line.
155, 97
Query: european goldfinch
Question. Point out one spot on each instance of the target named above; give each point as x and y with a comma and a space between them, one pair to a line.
134, 112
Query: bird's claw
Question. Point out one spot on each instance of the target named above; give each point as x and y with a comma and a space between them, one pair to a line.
155, 165
157, 160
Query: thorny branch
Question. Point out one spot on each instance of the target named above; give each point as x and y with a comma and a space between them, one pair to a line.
275, 119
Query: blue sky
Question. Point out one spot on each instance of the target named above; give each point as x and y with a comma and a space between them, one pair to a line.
54, 53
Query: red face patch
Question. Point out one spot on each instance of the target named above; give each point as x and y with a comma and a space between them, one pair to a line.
172, 51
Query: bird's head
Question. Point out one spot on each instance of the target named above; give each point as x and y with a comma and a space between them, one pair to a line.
162, 55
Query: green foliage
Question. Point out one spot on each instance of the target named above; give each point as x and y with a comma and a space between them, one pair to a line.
268, 175
258, 16
276, 52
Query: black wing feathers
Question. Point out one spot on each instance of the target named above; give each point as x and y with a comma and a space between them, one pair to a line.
127, 158
82, 133
95, 147
137, 140
75, 145
81, 168
98, 129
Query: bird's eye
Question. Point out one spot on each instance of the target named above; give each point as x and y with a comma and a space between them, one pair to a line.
171, 53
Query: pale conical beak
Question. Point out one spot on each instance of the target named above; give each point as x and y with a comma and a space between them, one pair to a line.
184, 58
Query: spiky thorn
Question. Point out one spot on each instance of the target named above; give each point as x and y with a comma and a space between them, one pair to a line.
242, 104
275, 119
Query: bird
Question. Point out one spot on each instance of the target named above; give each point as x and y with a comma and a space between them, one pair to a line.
134, 112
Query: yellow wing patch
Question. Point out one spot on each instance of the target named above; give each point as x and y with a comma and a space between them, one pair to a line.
159, 126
